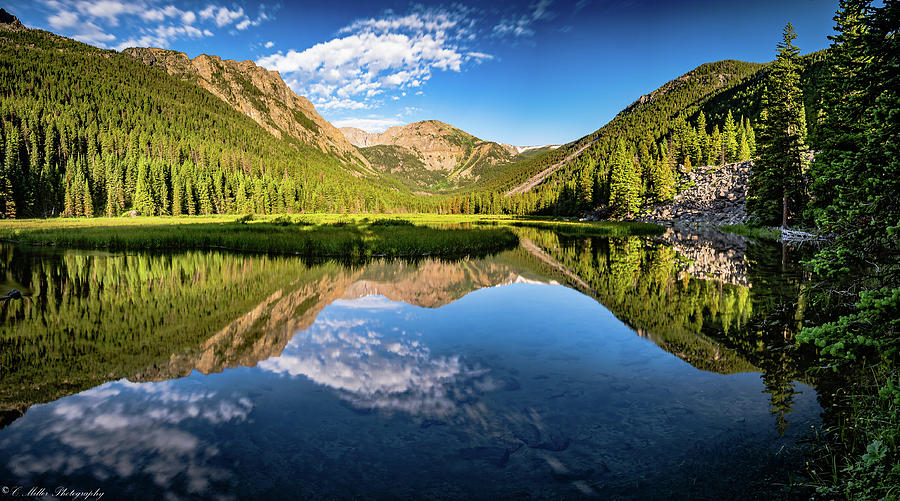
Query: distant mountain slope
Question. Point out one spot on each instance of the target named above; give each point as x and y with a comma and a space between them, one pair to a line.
431, 155
256, 92
650, 114
576, 175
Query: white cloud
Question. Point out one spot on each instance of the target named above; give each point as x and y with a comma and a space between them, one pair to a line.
63, 20
224, 16
143, 22
128, 430
368, 124
479, 56
521, 25
90, 33
269, 44
340, 104
208, 12
376, 55
108, 9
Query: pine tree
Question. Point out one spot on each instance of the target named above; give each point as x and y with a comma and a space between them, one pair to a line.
663, 181
110, 209
177, 192
702, 139
729, 139
11, 169
744, 149
143, 196
715, 148
623, 182
856, 173
586, 187
68, 191
778, 175
88, 203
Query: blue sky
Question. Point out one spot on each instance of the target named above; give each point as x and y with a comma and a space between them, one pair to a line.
520, 72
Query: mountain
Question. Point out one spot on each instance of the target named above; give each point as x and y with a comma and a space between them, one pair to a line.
431, 155
657, 129
256, 92
10, 22
86, 132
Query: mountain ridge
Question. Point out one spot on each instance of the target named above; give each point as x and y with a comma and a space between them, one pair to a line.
256, 92
431, 154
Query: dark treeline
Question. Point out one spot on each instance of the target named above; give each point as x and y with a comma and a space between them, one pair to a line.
848, 192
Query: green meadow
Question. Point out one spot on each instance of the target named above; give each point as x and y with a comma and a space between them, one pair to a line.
318, 235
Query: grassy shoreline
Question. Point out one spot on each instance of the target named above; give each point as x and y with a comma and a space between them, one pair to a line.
311, 235
301, 235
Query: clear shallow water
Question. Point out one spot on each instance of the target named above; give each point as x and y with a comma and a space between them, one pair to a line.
478, 385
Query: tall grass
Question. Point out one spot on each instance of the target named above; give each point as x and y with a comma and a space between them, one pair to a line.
304, 236
313, 235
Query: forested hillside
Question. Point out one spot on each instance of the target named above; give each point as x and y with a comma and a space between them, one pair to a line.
704, 117
88, 132
258, 93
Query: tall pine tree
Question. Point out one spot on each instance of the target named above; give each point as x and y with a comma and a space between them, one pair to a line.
624, 197
776, 190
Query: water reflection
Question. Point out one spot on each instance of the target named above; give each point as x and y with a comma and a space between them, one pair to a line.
120, 431
376, 366
279, 364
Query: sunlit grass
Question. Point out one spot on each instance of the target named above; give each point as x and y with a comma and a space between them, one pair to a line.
302, 235
325, 235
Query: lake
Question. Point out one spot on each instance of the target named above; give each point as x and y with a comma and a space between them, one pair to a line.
572, 366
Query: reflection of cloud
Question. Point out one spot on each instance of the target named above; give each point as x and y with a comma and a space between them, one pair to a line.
368, 303
377, 368
94, 434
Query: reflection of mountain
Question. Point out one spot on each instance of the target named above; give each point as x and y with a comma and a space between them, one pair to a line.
152, 318
264, 331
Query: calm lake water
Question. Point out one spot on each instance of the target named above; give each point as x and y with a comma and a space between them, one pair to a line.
572, 366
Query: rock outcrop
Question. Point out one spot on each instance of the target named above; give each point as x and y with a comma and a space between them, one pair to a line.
10, 22
714, 195
258, 93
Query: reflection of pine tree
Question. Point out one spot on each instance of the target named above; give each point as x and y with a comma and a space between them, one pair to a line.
780, 387
625, 261
779, 315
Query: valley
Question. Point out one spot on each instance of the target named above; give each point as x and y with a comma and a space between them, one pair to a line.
211, 285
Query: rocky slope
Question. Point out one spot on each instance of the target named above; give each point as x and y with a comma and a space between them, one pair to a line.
258, 93
714, 195
430, 154
10, 22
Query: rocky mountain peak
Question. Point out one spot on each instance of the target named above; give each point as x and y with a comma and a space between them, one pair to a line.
10, 22
257, 92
